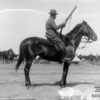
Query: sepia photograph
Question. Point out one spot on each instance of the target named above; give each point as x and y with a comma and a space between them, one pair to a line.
49, 50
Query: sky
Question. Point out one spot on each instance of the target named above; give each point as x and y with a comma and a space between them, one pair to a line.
20, 19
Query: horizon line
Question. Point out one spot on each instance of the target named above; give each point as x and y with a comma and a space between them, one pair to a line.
45, 13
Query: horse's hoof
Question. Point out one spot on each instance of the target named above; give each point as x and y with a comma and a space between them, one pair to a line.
28, 86
62, 85
57, 83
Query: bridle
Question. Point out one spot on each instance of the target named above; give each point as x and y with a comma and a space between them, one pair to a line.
86, 39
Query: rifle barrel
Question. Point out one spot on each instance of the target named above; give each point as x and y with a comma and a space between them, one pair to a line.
71, 13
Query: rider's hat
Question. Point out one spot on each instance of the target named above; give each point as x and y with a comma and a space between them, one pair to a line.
53, 12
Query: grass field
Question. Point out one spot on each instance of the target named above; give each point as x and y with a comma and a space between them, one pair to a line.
43, 77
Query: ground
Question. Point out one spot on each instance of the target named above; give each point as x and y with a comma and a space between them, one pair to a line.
82, 76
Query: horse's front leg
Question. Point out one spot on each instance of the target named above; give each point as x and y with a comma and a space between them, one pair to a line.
64, 74
26, 72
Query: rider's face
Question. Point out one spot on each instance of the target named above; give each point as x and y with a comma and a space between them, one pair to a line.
54, 16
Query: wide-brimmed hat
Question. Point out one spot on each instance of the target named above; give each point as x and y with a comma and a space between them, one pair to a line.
53, 12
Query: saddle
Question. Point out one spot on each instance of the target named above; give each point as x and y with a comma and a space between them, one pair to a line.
48, 43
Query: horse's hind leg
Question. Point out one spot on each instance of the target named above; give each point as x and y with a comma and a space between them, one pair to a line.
26, 72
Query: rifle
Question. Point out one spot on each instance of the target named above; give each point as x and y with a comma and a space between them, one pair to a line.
68, 17
71, 13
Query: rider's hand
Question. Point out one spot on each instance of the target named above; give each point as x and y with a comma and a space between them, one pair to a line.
64, 24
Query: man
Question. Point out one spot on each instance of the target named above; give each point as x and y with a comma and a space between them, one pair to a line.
53, 35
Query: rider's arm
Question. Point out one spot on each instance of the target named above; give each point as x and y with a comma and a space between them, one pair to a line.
56, 27
63, 24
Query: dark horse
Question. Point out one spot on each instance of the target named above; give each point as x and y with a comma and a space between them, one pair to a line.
7, 55
33, 46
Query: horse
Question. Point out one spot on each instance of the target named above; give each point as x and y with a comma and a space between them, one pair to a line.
7, 56
33, 46
12, 55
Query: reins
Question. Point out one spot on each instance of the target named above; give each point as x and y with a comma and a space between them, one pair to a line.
69, 24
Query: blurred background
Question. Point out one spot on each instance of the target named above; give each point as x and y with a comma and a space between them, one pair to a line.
20, 19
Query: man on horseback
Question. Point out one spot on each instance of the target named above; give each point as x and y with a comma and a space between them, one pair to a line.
53, 35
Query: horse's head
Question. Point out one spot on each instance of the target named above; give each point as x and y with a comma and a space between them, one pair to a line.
76, 34
88, 32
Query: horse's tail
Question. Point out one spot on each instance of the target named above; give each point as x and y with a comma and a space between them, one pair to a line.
21, 58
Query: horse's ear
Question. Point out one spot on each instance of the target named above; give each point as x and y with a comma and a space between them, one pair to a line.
84, 22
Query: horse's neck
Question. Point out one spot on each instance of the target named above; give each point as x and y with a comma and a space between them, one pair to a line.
77, 40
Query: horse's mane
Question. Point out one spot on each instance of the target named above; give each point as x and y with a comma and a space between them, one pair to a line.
74, 30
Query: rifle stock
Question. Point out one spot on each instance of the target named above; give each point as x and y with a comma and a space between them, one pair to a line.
71, 13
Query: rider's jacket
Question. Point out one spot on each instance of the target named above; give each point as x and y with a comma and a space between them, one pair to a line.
51, 27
